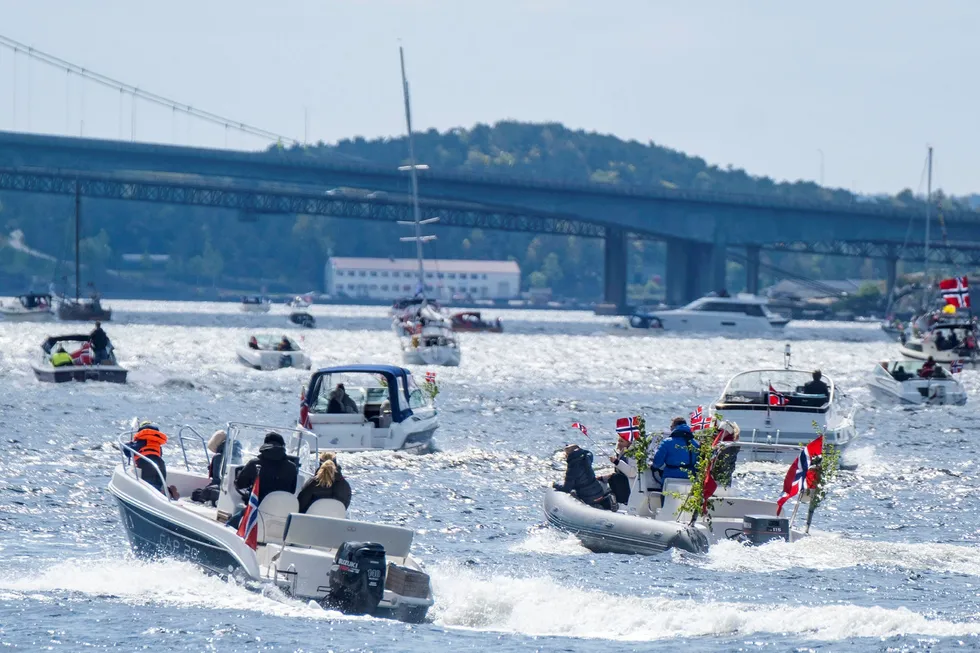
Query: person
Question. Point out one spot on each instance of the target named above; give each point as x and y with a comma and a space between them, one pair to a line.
284, 345
928, 368
327, 483
816, 386
953, 341
724, 466
941, 343
253, 343
580, 479
619, 481
275, 470
148, 443
216, 445
60, 357
970, 341
677, 455
100, 343
900, 374
340, 401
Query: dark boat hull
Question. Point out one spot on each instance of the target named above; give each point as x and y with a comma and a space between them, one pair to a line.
83, 313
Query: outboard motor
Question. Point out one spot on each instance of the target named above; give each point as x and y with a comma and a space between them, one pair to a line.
759, 529
357, 577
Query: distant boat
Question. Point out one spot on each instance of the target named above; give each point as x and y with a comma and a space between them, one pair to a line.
78, 309
741, 314
32, 307
255, 305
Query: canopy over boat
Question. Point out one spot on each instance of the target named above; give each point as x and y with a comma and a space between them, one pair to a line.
35, 300
49, 344
398, 385
750, 389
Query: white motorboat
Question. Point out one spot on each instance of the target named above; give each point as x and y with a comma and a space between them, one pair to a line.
740, 314
301, 301
263, 352
946, 338
771, 407
652, 522
354, 566
32, 307
83, 366
255, 305
900, 382
389, 410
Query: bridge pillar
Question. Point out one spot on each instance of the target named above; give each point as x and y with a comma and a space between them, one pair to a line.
715, 276
685, 259
752, 269
616, 263
891, 277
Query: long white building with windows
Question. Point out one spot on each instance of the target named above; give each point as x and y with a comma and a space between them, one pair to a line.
393, 278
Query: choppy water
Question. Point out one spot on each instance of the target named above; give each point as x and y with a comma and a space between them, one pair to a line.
897, 568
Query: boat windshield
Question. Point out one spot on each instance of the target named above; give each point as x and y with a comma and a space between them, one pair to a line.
365, 389
753, 388
245, 441
905, 369
271, 343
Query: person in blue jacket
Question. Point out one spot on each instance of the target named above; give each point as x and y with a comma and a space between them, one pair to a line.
677, 455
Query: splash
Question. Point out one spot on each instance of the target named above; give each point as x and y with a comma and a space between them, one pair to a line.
548, 541
542, 607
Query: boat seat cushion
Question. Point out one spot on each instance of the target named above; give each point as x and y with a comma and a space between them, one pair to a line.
328, 508
330, 533
273, 513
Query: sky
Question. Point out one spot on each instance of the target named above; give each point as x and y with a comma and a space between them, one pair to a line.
850, 91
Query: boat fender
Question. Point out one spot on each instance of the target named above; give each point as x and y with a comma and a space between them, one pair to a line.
357, 578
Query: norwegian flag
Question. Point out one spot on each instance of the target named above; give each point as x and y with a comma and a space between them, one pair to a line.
801, 475
304, 411
248, 528
430, 377
956, 291
83, 356
700, 420
956, 366
580, 427
776, 399
628, 428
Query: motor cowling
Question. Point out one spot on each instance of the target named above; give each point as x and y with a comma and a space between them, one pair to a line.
357, 577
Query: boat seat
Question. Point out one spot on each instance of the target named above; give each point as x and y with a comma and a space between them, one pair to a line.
273, 513
328, 508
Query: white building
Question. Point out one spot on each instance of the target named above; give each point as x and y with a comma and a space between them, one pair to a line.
393, 278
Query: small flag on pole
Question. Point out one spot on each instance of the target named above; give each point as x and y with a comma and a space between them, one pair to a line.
801, 475
776, 399
956, 366
580, 427
248, 528
628, 428
700, 420
430, 377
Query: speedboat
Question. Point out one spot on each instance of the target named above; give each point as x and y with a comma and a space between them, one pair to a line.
428, 339
473, 322
255, 305
652, 522
32, 307
83, 367
357, 567
272, 353
770, 407
392, 411
741, 314
302, 318
946, 338
899, 381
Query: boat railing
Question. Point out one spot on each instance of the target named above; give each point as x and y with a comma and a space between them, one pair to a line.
767, 446
129, 463
770, 441
194, 434
303, 434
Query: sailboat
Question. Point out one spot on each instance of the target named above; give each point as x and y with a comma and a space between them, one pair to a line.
78, 309
426, 334
946, 338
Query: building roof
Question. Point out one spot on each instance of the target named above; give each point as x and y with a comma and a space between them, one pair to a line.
431, 265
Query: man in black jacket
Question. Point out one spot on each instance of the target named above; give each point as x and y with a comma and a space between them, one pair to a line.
580, 478
100, 343
274, 468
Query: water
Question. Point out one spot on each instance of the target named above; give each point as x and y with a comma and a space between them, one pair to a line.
896, 565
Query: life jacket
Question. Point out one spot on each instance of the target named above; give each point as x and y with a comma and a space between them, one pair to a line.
152, 441
60, 358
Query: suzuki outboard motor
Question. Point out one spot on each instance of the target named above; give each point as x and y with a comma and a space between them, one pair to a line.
357, 577
759, 529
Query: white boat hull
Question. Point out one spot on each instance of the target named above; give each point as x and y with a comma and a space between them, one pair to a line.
255, 308
260, 359
352, 432
445, 356
918, 392
13, 315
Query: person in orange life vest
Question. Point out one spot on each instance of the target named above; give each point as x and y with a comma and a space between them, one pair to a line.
149, 441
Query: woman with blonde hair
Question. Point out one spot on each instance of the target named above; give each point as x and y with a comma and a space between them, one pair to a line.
327, 483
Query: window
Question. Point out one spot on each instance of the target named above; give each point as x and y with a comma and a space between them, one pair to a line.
428, 275
441, 275
374, 273
374, 286
384, 286
452, 275
484, 277
384, 273
452, 288
395, 274
363, 273
473, 289
406, 287
350, 286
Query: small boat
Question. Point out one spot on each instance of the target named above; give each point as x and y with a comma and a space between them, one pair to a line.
83, 368
771, 407
255, 305
263, 352
741, 314
357, 567
32, 307
302, 318
473, 322
652, 523
946, 338
301, 301
898, 381
428, 340
83, 310
392, 412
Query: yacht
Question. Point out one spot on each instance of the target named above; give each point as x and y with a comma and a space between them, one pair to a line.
946, 338
263, 352
390, 410
741, 314
32, 307
771, 407
83, 367
898, 381
354, 566
473, 322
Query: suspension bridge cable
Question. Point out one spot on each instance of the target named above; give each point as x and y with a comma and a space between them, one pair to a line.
136, 92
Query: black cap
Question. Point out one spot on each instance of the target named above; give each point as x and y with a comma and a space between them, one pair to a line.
274, 438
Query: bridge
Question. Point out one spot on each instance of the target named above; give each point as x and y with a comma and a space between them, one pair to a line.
700, 228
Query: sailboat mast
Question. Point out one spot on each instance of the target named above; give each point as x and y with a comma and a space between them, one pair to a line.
928, 211
78, 219
414, 173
